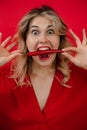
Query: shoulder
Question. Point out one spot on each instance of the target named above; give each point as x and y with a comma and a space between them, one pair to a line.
78, 78
5, 70
5, 81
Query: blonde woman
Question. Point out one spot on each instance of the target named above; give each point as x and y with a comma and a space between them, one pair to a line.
41, 89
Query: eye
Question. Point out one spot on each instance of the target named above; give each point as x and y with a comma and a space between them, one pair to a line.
50, 31
35, 32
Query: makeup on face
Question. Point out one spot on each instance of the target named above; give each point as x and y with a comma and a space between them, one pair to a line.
42, 40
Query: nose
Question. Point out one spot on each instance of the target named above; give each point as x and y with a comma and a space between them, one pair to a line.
43, 38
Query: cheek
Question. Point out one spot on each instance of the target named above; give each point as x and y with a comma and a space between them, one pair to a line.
56, 42
30, 43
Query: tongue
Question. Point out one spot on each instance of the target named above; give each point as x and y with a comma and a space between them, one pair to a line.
44, 56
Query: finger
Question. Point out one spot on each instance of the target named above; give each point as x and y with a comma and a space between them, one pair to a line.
0, 37
3, 44
70, 49
11, 45
6, 59
12, 56
16, 51
14, 38
84, 42
78, 42
68, 56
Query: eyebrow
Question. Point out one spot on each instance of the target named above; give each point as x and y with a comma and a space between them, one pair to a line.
34, 26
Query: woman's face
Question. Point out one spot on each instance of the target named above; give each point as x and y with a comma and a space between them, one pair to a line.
42, 36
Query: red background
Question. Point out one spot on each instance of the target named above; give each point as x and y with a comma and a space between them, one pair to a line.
73, 12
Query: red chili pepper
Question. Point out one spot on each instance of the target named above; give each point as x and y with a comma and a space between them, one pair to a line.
41, 52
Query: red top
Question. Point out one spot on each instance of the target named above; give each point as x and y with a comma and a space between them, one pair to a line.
66, 108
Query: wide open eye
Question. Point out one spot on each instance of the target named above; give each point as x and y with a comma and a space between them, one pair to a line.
50, 31
35, 32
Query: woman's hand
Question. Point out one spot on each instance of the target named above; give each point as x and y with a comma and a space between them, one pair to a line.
80, 57
5, 54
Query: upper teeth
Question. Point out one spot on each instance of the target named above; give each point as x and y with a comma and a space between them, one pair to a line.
46, 48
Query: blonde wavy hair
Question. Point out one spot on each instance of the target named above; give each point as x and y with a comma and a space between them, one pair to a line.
21, 66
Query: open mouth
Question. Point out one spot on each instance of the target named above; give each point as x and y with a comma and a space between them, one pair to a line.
44, 51
43, 55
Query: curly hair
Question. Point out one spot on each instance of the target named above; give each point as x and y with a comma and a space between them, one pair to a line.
22, 64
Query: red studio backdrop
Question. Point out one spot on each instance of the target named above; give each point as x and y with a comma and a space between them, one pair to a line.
73, 12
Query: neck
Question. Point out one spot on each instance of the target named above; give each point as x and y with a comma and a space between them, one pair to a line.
42, 70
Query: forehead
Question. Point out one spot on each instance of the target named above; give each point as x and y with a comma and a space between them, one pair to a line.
41, 21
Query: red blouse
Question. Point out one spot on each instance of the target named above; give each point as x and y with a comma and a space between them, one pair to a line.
66, 108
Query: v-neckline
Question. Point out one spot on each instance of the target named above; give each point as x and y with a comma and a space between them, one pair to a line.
50, 93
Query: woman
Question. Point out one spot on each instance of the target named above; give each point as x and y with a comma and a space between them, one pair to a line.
38, 91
